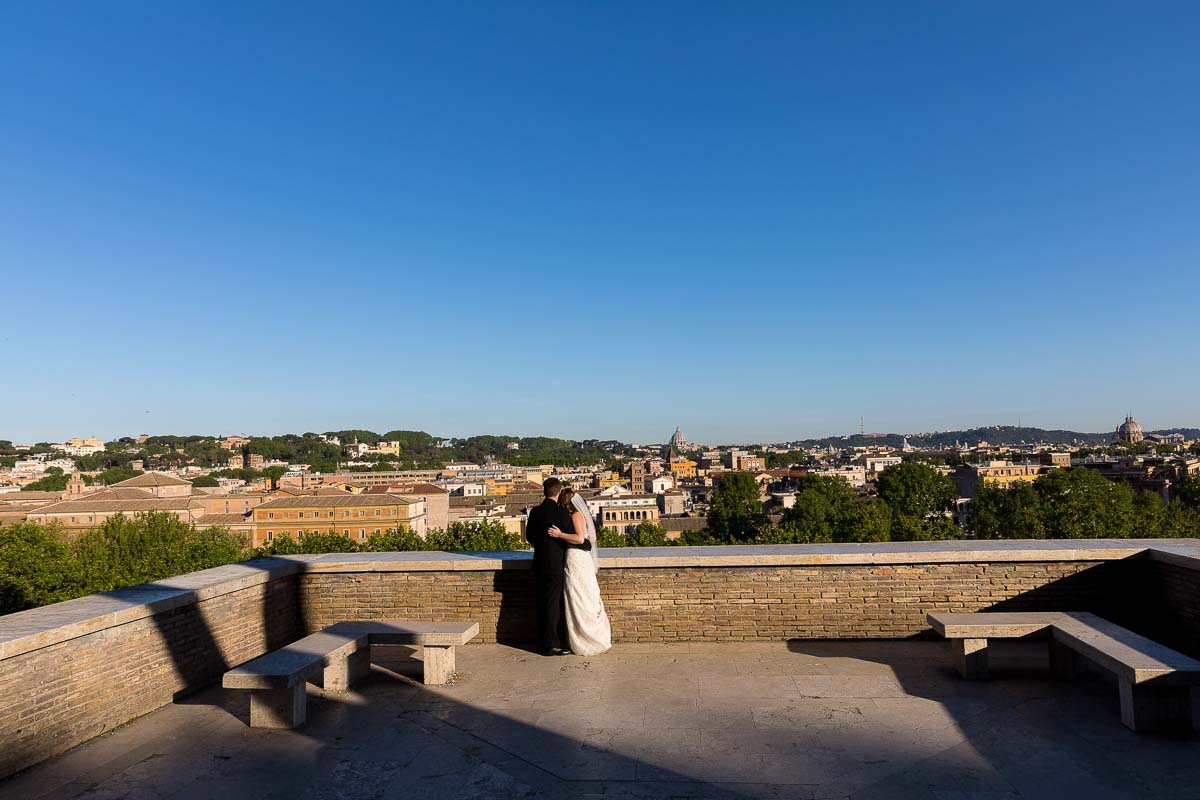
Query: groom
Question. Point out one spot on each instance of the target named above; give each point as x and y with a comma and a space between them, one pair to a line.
549, 558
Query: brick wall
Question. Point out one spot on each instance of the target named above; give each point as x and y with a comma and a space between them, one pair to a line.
723, 603
55, 697
1173, 598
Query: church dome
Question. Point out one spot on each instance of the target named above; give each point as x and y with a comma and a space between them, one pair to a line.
1129, 431
678, 440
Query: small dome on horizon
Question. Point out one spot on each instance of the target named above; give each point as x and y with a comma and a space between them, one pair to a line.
1129, 431
678, 440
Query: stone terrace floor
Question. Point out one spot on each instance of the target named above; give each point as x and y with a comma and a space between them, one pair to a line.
802, 719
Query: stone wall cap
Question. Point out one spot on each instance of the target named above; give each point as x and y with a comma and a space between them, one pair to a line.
1180, 552
41, 627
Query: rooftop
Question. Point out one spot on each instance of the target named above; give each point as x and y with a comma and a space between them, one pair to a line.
879, 719
152, 479
85, 505
222, 519
331, 501
117, 493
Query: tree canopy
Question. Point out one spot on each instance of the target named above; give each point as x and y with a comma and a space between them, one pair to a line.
914, 489
736, 512
1079, 503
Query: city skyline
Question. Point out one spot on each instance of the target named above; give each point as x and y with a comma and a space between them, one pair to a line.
597, 222
693, 439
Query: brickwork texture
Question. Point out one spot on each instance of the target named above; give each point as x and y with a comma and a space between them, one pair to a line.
724, 603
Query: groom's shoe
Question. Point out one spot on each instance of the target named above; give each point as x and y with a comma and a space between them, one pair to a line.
557, 651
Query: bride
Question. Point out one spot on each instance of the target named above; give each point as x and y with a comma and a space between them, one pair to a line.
588, 631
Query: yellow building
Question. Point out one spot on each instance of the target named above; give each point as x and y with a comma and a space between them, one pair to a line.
999, 474
93, 511
607, 480
498, 487
1005, 474
682, 468
355, 515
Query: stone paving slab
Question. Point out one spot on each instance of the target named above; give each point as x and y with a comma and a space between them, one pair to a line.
763, 720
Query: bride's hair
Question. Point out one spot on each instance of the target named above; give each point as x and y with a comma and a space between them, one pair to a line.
564, 499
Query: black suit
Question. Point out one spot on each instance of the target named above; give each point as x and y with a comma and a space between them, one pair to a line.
549, 559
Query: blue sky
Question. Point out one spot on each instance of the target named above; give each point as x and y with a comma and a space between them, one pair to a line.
597, 220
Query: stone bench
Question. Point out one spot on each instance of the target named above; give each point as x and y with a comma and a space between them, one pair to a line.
340, 655
1156, 683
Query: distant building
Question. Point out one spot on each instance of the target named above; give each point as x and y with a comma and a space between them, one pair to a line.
255, 461
681, 468
1056, 459
355, 515
751, 464
1166, 438
228, 443
81, 447
355, 449
231, 503
1129, 431
91, 511
855, 475
1000, 474
437, 500
382, 478
672, 503
624, 514
157, 484
782, 500
236, 462
603, 480
658, 484
153, 491
876, 464
678, 441
637, 476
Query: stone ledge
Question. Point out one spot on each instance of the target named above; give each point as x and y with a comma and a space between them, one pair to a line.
41, 627
58, 622
1179, 552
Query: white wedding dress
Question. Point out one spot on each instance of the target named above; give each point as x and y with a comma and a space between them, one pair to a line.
588, 631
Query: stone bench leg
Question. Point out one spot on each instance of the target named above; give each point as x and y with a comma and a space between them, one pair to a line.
971, 658
1064, 662
439, 665
1145, 708
279, 708
342, 673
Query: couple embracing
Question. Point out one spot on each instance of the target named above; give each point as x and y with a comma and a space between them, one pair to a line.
570, 613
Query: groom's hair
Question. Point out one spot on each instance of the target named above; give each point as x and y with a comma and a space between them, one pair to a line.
551, 487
